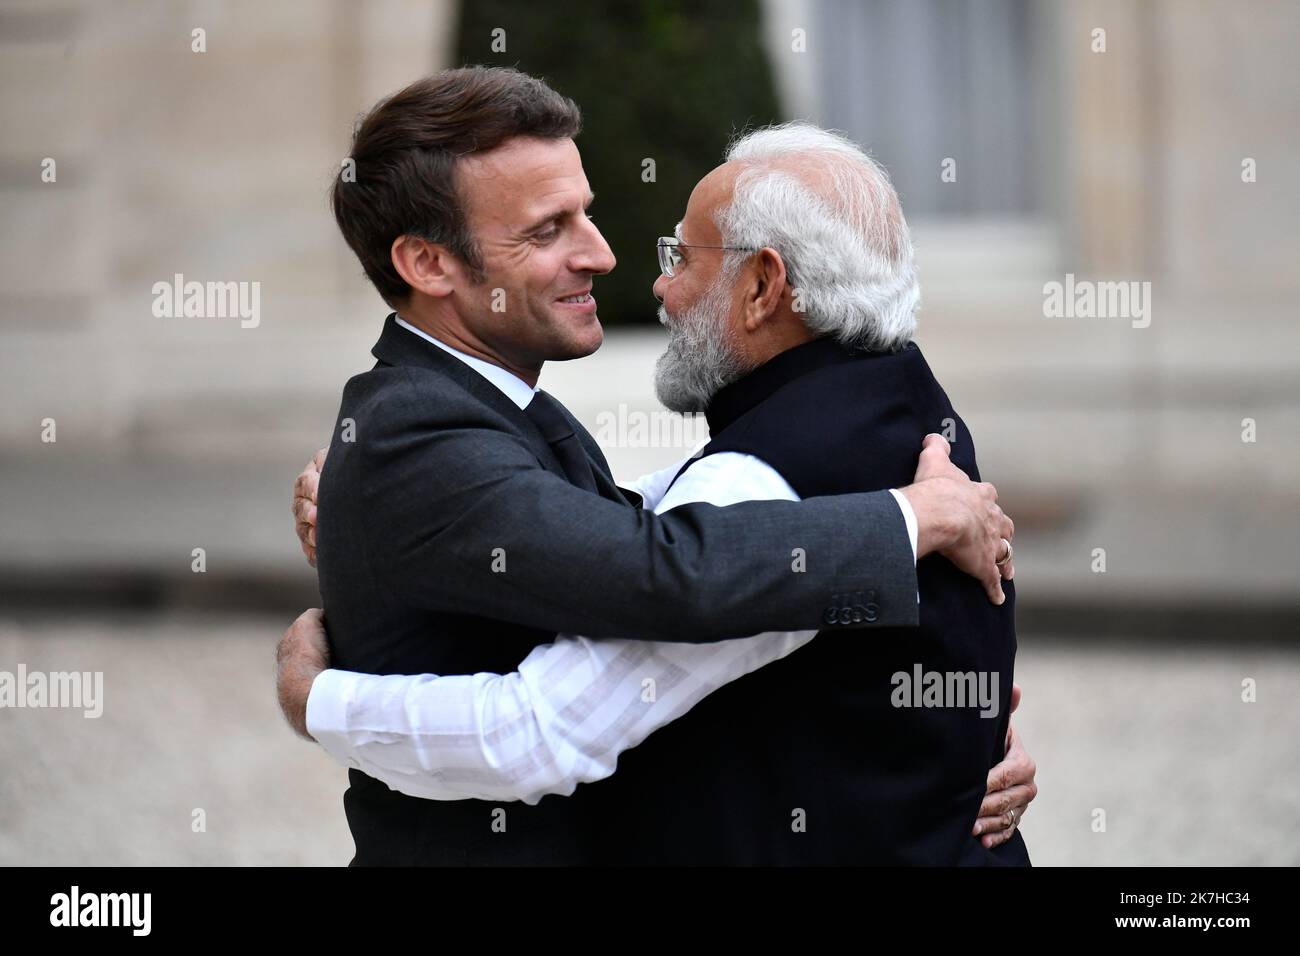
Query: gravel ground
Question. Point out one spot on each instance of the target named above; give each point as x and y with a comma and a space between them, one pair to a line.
1156, 736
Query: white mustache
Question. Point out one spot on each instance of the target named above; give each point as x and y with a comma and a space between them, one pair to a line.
674, 326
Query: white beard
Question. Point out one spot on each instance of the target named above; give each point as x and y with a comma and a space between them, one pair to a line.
700, 359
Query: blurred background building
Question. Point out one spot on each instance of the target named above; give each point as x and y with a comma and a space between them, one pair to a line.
1151, 469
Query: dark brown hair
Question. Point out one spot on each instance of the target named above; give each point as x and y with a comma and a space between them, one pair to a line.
405, 152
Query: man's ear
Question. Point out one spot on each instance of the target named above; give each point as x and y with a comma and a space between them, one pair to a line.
426, 266
768, 287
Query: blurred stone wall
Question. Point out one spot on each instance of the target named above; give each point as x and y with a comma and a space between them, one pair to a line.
174, 433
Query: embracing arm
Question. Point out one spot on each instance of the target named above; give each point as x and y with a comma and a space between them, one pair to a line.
563, 718
454, 496
523, 735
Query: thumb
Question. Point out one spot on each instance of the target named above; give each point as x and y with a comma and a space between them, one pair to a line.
934, 458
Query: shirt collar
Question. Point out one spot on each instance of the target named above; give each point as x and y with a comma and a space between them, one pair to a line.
511, 385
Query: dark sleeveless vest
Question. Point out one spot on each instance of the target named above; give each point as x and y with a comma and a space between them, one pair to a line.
808, 760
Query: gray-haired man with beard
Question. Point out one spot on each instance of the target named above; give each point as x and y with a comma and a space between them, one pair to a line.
805, 760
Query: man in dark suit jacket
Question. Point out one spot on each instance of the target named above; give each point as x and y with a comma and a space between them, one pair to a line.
798, 346
456, 505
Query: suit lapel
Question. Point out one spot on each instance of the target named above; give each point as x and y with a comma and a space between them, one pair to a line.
402, 349
605, 483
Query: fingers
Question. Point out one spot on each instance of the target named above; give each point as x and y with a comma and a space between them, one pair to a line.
1000, 836
306, 531
1013, 770
1011, 790
981, 556
1006, 529
998, 526
305, 488
1004, 797
1015, 702
972, 538
992, 581
994, 809
307, 484
307, 640
1023, 767
304, 511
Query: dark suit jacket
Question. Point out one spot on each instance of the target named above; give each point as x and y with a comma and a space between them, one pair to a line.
444, 478
811, 760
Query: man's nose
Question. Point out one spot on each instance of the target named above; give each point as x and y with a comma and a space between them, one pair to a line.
659, 287
594, 254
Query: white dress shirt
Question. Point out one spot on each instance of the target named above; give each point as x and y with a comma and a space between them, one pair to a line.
573, 705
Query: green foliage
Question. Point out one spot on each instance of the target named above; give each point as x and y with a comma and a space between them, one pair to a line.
668, 80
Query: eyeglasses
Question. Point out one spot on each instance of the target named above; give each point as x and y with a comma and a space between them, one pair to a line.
670, 258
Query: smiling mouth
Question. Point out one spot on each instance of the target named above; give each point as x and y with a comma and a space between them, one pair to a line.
577, 299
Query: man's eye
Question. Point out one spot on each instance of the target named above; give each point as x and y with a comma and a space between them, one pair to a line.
546, 236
